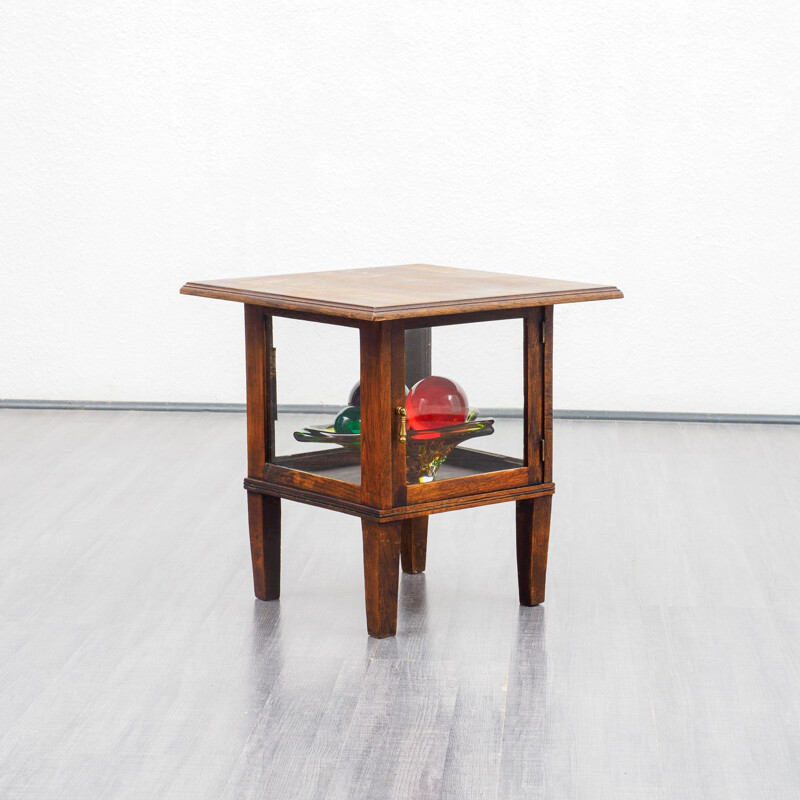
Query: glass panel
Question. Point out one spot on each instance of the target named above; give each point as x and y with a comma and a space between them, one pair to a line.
319, 418
465, 417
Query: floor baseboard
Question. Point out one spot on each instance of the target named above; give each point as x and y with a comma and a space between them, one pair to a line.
504, 413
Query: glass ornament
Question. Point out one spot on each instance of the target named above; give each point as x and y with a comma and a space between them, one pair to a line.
355, 395
436, 402
348, 420
439, 419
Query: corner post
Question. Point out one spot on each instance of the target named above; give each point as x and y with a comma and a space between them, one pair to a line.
264, 511
533, 516
383, 474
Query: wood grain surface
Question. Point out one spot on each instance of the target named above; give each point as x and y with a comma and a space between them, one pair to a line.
381, 571
533, 534
378, 418
534, 390
264, 511
414, 545
399, 292
294, 488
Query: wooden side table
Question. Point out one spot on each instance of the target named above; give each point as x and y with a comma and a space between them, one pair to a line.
393, 309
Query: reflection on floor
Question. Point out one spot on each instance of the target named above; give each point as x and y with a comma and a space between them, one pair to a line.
134, 661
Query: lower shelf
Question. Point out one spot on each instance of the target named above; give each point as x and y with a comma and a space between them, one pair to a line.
345, 465
419, 509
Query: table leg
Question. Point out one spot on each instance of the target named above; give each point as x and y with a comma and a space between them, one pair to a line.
414, 544
533, 533
264, 513
381, 575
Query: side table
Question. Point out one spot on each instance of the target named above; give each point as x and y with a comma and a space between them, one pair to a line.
390, 474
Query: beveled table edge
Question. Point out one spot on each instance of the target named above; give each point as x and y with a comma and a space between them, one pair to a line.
407, 311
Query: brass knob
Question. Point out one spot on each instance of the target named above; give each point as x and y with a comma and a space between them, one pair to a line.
401, 411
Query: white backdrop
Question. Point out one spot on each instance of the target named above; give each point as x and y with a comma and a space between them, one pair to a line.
649, 145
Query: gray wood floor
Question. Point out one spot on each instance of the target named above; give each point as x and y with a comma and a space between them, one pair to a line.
135, 662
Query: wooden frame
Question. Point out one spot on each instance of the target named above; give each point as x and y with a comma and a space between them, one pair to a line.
263, 509
394, 514
395, 342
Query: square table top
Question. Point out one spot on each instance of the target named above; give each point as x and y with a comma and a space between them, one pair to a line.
376, 294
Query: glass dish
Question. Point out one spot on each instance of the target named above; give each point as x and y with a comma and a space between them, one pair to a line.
426, 451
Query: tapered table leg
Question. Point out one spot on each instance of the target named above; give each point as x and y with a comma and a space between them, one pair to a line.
533, 533
381, 575
414, 544
264, 513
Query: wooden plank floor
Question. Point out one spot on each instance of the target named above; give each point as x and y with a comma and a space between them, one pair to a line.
135, 662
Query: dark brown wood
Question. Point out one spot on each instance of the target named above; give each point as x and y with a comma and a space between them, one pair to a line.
414, 544
402, 292
284, 476
337, 503
345, 466
381, 575
264, 515
263, 511
377, 415
468, 484
395, 309
464, 318
260, 422
533, 355
533, 535
470, 500
547, 474
412, 323
304, 316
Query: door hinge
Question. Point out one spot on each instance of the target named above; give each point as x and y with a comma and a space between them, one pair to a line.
544, 331
544, 449
273, 384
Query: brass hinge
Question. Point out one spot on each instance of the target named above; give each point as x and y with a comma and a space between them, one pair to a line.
544, 449
544, 331
401, 412
273, 384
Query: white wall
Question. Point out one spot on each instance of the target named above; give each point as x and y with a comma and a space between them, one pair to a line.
650, 145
